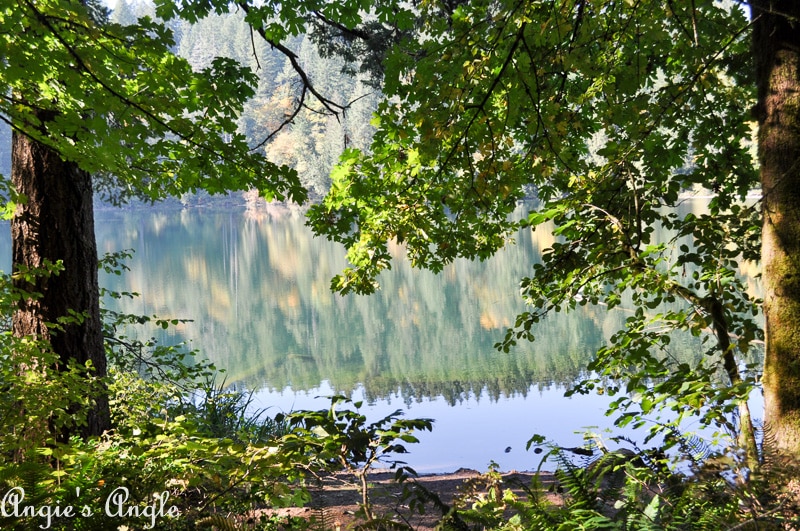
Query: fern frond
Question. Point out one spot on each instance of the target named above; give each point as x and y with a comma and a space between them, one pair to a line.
322, 520
574, 480
218, 521
691, 446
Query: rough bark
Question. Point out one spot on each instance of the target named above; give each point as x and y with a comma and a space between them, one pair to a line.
776, 41
56, 223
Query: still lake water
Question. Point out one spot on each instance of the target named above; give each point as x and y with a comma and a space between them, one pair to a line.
256, 286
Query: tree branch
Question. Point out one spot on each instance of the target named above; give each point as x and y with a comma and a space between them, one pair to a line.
332, 107
361, 34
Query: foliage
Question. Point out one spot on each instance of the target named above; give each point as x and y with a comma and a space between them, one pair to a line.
39, 391
223, 411
127, 107
595, 488
194, 474
262, 121
294, 84
185, 450
331, 440
171, 465
481, 502
161, 454
614, 114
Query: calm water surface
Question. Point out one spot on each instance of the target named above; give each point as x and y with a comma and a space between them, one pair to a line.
256, 286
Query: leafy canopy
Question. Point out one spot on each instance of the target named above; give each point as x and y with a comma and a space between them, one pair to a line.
115, 100
609, 112
606, 111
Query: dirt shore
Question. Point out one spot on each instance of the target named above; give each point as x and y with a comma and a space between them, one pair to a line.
336, 503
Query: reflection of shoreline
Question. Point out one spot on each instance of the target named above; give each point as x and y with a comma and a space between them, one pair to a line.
259, 296
497, 374
258, 293
473, 433
455, 393
452, 393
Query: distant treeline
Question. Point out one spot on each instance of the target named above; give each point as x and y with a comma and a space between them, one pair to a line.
312, 141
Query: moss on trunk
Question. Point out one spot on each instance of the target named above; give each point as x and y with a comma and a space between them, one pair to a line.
56, 223
777, 54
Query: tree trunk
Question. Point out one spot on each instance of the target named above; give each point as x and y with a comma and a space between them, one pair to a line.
776, 45
747, 434
56, 223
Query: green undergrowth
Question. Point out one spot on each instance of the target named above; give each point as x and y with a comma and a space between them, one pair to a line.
696, 487
188, 451
184, 460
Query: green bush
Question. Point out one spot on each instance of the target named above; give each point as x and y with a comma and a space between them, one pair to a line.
632, 489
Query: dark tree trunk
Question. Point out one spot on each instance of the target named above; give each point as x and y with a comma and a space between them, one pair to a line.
776, 44
56, 223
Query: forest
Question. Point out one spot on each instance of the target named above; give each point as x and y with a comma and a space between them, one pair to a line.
312, 141
418, 126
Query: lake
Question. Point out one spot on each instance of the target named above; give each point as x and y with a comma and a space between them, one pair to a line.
256, 286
